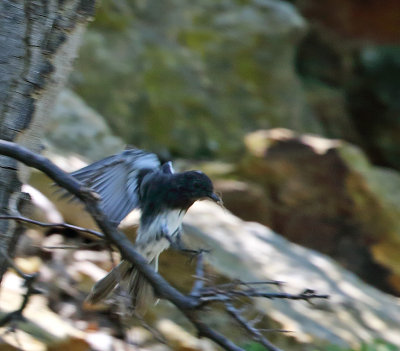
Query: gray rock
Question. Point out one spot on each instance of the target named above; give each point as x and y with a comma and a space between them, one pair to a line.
326, 195
354, 313
193, 77
74, 127
74, 136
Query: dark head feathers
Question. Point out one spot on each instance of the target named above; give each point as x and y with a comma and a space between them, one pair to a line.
174, 191
196, 184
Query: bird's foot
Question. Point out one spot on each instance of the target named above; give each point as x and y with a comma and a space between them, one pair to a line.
194, 254
179, 246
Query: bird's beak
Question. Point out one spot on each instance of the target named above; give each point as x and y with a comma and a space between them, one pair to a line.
215, 198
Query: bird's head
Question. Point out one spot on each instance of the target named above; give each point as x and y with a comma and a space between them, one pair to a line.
195, 185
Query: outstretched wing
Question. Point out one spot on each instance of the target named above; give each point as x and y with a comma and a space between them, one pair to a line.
115, 179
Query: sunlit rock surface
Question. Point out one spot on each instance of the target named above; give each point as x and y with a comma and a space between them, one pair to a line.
249, 251
324, 194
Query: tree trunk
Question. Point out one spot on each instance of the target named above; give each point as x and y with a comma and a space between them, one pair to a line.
38, 42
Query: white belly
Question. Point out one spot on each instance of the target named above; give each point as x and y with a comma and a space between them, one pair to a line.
151, 240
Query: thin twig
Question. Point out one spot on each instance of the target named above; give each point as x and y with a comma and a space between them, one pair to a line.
157, 335
213, 294
54, 225
199, 282
73, 247
281, 295
274, 330
12, 264
204, 330
29, 280
240, 282
254, 332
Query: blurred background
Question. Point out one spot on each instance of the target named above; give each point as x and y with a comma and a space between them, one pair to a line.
292, 107
192, 79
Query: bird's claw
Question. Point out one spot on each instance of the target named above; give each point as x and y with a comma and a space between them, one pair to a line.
195, 253
180, 247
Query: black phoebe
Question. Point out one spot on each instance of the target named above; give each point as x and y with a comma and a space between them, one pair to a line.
136, 179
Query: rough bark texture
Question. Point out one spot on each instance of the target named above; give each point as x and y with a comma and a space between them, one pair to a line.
38, 42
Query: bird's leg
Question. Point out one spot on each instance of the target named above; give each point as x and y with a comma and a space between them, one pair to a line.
179, 245
176, 243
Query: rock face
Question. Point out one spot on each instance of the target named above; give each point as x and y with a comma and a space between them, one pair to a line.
325, 195
244, 199
248, 251
76, 128
193, 78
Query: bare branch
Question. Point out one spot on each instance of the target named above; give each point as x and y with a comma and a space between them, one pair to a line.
205, 331
11, 263
54, 225
73, 247
29, 279
281, 295
227, 292
156, 334
236, 283
254, 332
199, 282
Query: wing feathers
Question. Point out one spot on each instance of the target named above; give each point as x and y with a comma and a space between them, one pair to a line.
115, 179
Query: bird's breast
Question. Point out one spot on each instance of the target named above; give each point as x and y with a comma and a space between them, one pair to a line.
151, 239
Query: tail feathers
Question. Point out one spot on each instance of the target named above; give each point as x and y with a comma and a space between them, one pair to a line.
140, 291
131, 282
103, 288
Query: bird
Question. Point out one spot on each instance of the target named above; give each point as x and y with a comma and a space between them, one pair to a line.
136, 179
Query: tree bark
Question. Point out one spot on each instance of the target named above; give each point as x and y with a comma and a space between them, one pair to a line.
38, 42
